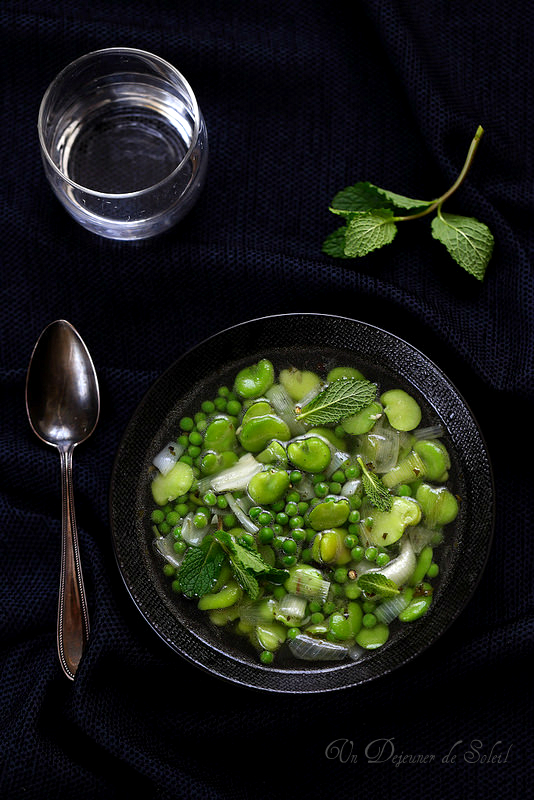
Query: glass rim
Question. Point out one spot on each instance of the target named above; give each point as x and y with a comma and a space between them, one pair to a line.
109, 51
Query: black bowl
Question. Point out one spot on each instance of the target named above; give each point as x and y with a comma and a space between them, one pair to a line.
316, 342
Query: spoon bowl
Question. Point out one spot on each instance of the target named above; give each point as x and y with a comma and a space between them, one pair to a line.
63, 406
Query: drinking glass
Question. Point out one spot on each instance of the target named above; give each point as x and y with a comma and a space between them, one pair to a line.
124, 143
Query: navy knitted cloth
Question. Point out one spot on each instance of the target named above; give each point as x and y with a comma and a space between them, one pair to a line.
300, 99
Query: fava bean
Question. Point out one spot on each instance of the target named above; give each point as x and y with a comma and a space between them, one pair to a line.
339, 442
340, 626
439, 506
271, 635
424, 561
175, 483
402, 411
363, 421
331, 513
220, 435
310, 454
269, 486
417, 607
388, 526
371, 638
435, 458
329, 547
260, 408
339, 373
298, 383
274, 453
227, 596
254, 381
258, 431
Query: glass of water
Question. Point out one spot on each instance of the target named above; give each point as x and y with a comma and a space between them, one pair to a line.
123, 142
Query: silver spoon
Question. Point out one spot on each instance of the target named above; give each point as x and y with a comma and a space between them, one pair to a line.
63, 406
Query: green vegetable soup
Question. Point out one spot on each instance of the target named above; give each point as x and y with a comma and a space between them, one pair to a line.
304, 511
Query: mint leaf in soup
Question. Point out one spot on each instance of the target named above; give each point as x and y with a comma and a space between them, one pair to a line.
469, 241
368, 231
376, 583
339, 400
201, 567
375, 490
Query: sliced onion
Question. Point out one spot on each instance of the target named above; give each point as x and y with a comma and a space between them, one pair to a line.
165, 546
237, 477
292, 606
390, 609
351, 487
308, 649
165, 460
258, 611
284, 407
317, 389
338, 458
240, 515
190, 533
402, 567
305, 488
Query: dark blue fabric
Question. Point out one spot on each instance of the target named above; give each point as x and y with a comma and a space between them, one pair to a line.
300, 99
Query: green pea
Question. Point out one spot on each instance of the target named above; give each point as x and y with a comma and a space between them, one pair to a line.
254, 381
402, 411
325, 515
433, 571
267, 487
434, 456
186, 424
258, 431
298, 383
371, 638
227, 596
363, 421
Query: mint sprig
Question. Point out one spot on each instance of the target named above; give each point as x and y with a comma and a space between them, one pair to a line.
371, 215
375, 490
339, 400
247, 565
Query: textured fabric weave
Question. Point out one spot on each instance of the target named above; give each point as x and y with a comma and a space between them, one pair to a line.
300, 99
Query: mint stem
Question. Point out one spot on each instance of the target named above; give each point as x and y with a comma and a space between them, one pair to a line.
436, 204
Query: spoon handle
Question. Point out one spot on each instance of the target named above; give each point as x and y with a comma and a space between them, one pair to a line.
72, 618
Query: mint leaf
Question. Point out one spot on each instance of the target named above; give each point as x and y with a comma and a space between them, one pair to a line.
372, 214
400, 201
245, 579
339, 400
334, 244
362, 196
469, 241
200, 568
376, 583
248, 565
375, 490
368, 231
